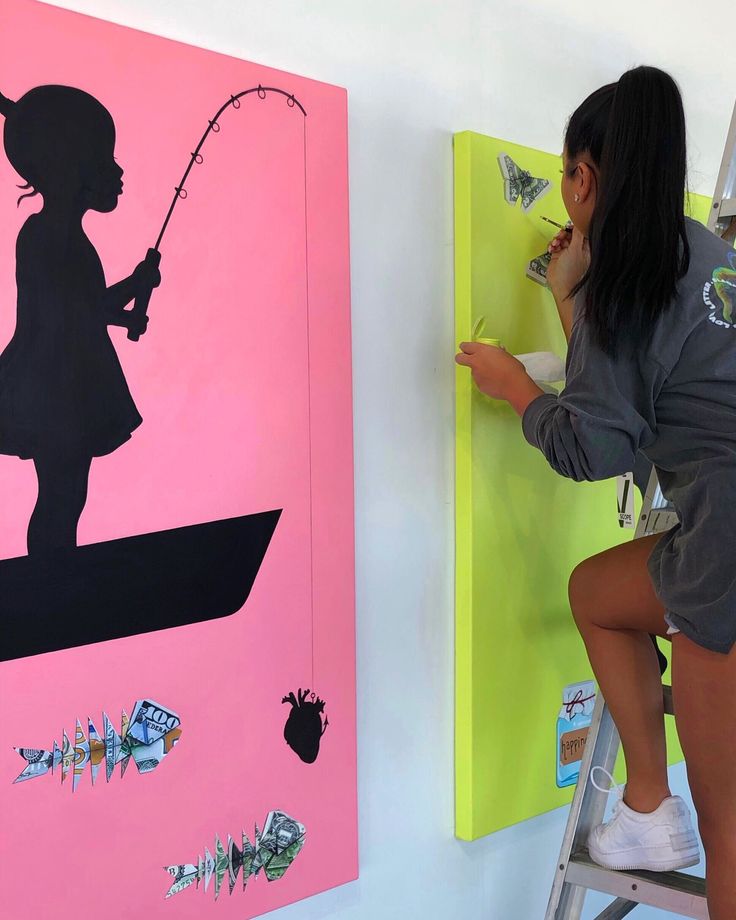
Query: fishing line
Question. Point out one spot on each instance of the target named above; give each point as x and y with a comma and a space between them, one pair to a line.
153, 257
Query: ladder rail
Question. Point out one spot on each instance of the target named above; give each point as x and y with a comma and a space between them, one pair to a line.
723, 195
587, 810
617, 910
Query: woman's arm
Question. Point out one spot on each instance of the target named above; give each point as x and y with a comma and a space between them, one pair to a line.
602, 418
570, 260
565, 309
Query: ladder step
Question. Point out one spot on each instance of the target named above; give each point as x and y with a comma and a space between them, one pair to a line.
676, 892
659, 521
728, 208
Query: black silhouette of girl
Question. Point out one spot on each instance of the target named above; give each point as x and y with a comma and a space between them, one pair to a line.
63, 397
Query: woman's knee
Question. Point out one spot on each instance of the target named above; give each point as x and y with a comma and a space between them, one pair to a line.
581, 590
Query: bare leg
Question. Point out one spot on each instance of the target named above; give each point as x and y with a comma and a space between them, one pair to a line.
62, 494
615, 609
704, 690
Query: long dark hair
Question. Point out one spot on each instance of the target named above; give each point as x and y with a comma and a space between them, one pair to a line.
634, 131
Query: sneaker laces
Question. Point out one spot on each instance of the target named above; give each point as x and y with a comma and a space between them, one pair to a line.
613, 787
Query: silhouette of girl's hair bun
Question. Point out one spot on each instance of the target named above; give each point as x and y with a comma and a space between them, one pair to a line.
6, 105
53, 133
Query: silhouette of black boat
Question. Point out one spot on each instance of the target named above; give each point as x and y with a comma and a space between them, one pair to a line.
130, 586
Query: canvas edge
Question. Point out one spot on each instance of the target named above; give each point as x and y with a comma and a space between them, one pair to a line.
462, 170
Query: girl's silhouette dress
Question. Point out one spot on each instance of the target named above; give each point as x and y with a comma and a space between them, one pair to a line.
62, 389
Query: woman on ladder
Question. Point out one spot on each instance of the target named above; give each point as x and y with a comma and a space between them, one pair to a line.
646, 297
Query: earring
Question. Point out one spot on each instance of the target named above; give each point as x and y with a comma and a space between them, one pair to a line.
577, 197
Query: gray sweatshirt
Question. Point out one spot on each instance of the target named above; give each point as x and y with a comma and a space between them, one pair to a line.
676, 403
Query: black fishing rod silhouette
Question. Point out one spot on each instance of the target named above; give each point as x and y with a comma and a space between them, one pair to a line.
153, 256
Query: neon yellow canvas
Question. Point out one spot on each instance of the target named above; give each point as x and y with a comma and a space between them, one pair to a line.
520, 527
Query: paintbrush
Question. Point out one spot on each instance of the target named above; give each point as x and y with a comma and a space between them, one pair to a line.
567, 226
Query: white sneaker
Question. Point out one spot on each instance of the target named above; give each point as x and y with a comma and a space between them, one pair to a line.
660, 841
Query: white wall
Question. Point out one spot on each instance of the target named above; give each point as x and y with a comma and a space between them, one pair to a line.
416, 71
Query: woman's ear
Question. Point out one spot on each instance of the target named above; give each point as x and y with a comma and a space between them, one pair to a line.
584, 181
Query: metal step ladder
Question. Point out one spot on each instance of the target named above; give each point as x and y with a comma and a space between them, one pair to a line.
722, 219
576, 873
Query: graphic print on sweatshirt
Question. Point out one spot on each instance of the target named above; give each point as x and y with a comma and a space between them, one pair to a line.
719, 293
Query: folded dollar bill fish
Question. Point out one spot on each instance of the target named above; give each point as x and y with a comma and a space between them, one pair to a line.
146, 736
275, 850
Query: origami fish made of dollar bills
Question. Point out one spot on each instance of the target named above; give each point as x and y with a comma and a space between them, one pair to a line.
146, 737
275, 849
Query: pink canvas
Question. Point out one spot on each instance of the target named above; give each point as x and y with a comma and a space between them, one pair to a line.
243, 380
